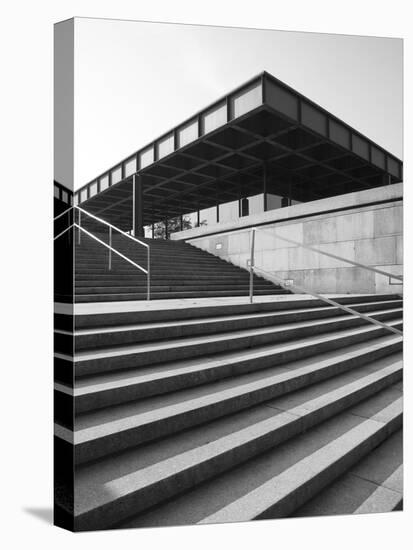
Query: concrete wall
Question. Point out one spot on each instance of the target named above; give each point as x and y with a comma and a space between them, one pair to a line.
367, 233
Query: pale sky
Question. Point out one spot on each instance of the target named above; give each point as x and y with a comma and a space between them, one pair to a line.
135, 80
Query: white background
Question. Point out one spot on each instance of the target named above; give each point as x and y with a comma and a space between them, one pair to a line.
26, 270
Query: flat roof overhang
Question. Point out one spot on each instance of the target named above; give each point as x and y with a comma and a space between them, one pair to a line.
221, 153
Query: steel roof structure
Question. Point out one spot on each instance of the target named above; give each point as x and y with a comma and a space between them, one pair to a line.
263, 137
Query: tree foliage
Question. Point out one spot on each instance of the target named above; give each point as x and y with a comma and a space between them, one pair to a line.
174, 224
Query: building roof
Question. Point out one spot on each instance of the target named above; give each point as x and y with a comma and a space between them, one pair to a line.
218, 155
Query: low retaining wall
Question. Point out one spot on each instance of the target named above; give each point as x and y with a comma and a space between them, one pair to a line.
364, 227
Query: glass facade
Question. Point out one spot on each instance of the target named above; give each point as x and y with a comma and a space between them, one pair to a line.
208, 216
192, 219
228, 211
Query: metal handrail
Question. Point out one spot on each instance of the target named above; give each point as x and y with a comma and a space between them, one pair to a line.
62, 213
63, 232
100, 220
300, 290
109, 246
352, 262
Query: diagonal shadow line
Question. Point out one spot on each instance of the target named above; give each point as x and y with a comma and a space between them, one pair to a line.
44, 514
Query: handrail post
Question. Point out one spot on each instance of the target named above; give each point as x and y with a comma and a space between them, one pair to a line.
148, 275
252, 260
80, 225
110, 249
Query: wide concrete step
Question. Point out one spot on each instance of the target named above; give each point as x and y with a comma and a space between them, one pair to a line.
155, 255
129, 356
372, 485
187, 279
110, 430
161, 272
243, 466
101, 391
146, 332
212, 286
277, 482
155, 245
190, 255
171, 267
203, 310
114, 297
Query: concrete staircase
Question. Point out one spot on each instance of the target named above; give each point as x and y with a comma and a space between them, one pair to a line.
220, 413
178, 270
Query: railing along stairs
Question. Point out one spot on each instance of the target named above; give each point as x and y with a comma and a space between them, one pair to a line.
81, 212
297, 289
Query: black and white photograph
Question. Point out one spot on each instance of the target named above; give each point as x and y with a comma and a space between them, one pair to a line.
204, 262
229, 346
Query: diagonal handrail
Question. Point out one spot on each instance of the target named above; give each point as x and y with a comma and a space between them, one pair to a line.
109, 246
300, 290
63, 232
330, 255
104, 222
63, 213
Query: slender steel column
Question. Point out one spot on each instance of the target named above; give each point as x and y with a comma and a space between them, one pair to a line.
137, 183
264, 185
198, 220
133, 202
252, 263
166, 229
245, 207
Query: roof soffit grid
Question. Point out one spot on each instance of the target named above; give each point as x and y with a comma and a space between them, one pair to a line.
289, 100
313, 117
246, 122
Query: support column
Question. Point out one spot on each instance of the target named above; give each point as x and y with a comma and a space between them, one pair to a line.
264, 185
166, 229
245, 207
137, 183
217, 202
198, 219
